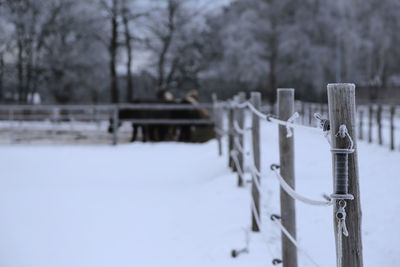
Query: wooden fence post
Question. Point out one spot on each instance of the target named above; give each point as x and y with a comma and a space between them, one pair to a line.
53, 122
115, 124
11, 121
98, 122
379, 122
360, 123
370, 115
286, 154
392, 112
341, 99
217, 122
230, 135
220, 124
303, 115
310, 111
241, 98
255, 137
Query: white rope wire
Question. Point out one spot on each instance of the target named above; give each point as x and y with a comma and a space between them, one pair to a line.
241, 105
291, 121
294, 242
237, 128
236, 162
343, 132
288, 189
256, 111
277, 121
340, 245
239, 146
260, 227
293, 125
256, 181
283, 229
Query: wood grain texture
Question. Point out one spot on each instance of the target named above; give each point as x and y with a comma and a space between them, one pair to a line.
286, 154
255, 99
392, 112
342, 110
240, 119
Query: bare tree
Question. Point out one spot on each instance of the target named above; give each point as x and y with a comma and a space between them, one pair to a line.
128, 17
112, 10
1, 75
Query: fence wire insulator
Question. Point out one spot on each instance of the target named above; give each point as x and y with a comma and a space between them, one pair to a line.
276, 261
323, 123
274, 167
275, 217
341, 156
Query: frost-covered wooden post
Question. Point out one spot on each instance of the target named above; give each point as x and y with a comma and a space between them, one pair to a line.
379, 122
370, 116
310, 111
341, 99
392, 112
230, 133
11, 121
286, 155
240, 119
360, 124
255, 99
217, 118
115, 124
54, 112
235, 134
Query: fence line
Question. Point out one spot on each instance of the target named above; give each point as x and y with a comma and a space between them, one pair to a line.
340, 155
377, 123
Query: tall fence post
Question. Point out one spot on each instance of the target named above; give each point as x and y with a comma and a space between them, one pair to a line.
98, 123
11, 121
310, 113
53, 120
115, 124
341, 99
255, 99
240, 119
370, 116
392, 112
217, 118
286, 154
379, 122
235, 134
360, 123
230, 134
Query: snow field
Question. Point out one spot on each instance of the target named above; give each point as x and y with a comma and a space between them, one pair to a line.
171, 204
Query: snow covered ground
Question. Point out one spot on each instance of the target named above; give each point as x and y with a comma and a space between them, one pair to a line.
173, 204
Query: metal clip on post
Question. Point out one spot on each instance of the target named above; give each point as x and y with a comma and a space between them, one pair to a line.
323, 123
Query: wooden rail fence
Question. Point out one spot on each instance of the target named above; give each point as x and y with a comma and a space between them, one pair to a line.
13, 115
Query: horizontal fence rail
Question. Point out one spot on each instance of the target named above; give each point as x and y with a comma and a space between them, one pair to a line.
41, 121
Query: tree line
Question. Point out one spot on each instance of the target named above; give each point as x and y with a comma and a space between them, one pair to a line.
102, 51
